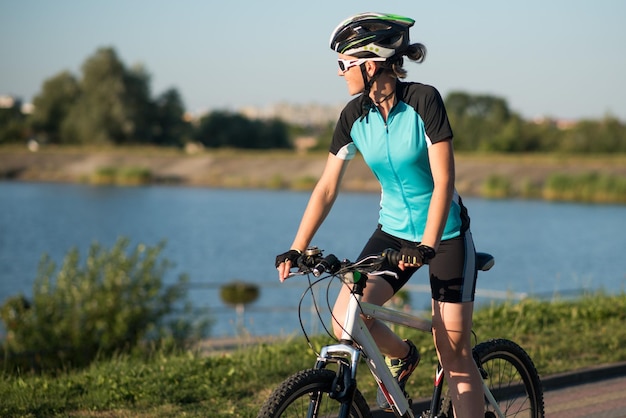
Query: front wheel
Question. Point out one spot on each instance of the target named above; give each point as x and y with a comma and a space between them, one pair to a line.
306, 394
512, 379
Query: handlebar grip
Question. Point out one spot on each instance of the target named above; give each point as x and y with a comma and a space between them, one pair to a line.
393, 256
330, 264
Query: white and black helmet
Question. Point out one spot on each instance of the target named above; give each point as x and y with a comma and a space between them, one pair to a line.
370, 35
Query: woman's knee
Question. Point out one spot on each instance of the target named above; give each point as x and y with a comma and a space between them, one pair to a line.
452, 345
337, 321
452, 332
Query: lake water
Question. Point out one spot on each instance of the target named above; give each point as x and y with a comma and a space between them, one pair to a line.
217, 236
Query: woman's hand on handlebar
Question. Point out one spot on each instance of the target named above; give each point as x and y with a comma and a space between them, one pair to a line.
415, 256
285, 261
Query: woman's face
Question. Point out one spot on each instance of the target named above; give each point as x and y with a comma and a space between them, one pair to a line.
352, 74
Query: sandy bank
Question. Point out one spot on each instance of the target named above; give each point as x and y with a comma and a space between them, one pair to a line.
239, 169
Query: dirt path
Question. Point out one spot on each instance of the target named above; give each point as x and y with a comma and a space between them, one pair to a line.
275, 169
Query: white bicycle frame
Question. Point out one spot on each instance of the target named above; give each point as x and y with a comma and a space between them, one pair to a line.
354, 329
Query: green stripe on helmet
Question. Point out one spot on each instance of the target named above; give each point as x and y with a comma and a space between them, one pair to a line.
352, 44
398, 18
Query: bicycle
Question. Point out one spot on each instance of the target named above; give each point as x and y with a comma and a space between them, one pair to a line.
511, 383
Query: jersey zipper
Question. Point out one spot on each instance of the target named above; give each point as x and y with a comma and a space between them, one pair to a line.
395, 172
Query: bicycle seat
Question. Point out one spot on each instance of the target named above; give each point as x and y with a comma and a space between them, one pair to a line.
484, 261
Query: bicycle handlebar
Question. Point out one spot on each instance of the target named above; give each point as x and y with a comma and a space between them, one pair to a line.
312, 261
330, 263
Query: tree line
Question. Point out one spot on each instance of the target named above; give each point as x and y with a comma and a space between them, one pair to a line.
486, 123
112, 104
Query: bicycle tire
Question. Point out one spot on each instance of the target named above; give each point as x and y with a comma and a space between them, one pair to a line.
294, 395
511, 377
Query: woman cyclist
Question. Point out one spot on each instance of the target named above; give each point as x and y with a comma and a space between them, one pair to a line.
402, 131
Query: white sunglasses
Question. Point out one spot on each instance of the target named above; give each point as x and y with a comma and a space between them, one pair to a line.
345, 65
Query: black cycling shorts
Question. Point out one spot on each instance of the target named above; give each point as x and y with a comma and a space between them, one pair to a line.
452, 271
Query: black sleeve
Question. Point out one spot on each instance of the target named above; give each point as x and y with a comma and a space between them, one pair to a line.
341, 134
428, 103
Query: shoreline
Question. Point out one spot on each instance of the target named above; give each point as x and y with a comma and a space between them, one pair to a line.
277, 169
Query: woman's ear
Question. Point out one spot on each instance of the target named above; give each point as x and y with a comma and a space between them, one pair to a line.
370, 67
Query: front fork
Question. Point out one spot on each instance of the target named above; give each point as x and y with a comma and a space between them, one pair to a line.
344, 385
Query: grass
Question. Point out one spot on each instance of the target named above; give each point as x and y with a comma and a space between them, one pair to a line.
589, 187
560, 335
122, 176
497, 187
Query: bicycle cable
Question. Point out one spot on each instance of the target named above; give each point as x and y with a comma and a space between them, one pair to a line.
374, 262
316, 307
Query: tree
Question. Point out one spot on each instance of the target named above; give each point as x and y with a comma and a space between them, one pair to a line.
606, 135
225, 129
52, 106
13, 126
484, 122
114, 106
612, 135
138, 105
170, 127
239, 294
273, 134
110, 104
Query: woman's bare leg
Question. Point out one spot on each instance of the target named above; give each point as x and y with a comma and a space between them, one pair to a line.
452, 332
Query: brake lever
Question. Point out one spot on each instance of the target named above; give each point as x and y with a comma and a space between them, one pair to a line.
385, 273
296, 273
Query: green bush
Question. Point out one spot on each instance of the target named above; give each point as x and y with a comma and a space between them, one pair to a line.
304, 183
125, 176
587, 187
131, 176
238, 292
110, 304
497, 187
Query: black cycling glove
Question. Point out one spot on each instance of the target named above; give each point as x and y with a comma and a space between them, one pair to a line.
420, 254
291, 255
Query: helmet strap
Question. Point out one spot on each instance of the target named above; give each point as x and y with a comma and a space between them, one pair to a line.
366, 101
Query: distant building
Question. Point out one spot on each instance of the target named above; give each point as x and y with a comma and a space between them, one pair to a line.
296, 114
27, 108
8, 102
561, 124
304, 143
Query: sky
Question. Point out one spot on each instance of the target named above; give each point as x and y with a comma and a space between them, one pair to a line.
563, 59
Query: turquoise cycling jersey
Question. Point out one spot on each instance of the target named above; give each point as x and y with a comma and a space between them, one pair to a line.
396, 151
